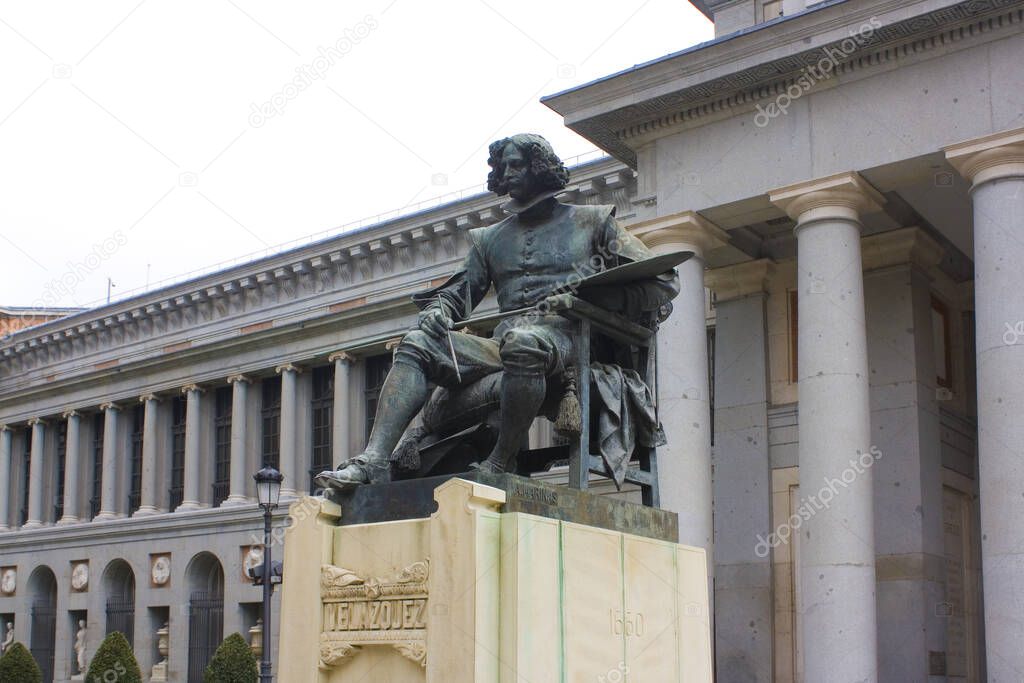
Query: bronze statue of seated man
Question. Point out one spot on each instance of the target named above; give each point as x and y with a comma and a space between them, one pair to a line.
538, 250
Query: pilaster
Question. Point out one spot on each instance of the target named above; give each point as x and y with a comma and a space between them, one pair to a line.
742, 481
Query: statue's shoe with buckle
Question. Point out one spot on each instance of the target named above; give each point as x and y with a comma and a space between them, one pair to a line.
362, 469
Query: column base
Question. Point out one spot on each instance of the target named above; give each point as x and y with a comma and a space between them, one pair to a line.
235, 501
105, 516
146, 511
32, 524
68, 519
4, 527
188, 505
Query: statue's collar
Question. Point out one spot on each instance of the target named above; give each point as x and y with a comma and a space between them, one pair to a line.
516, 207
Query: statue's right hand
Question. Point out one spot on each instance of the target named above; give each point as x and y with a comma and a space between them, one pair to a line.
435, 323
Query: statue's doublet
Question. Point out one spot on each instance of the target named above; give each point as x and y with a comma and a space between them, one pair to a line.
525, 261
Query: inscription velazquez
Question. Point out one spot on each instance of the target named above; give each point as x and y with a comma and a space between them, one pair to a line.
365, 611
376, 615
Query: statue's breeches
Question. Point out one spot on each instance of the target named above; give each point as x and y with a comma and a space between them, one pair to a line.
518, 348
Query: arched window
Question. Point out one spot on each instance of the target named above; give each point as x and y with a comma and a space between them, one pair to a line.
205, 577
42, 589
119, 590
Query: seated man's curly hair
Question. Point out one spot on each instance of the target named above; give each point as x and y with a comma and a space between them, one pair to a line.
544, 164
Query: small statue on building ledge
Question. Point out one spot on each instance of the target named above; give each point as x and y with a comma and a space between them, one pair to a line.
8, 631
80, 646
525, 368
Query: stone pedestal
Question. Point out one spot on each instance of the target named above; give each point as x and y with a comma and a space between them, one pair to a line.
482, 590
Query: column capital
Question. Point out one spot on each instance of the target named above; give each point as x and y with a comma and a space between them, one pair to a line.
4, 428
392, 344
896, 247
343, 356
991, 157
739, 280
33, 421
70, 412
109, 405
843, 195
684, 230
239, 378
188, 388
145, 398
288, 367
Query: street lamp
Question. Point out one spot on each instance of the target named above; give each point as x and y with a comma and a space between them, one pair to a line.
268, 492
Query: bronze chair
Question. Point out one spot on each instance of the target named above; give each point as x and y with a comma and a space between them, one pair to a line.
457, 427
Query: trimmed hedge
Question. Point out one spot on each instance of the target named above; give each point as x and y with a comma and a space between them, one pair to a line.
233, 662
114, 662
19, 666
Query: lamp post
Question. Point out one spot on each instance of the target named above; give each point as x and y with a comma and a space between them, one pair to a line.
268, 492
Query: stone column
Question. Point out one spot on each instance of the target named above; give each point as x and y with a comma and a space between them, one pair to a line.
72, 457
5, 476
340, 437
837, 551
682, 388
150, 437
239, 426
108, 489
289, 430
742, 481
193, 446
35, 475
995, 166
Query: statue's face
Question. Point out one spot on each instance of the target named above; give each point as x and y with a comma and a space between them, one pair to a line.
522, 186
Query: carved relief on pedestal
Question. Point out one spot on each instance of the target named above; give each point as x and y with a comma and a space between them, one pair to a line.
366, 611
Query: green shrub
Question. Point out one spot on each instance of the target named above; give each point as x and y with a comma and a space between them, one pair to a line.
233, 662
114, 662
19, 666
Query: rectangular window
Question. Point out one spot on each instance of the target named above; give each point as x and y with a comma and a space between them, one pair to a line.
26, 466
135, 471
222, 445
98, 427
270, 413
377, 369
177, 489
942, 343
62, 459
771, 10
323, 413
794, 376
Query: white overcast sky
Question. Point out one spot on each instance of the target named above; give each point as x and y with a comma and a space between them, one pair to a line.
131, 123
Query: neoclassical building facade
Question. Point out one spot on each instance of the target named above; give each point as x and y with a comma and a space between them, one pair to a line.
839, 380
130, 433
858, 172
